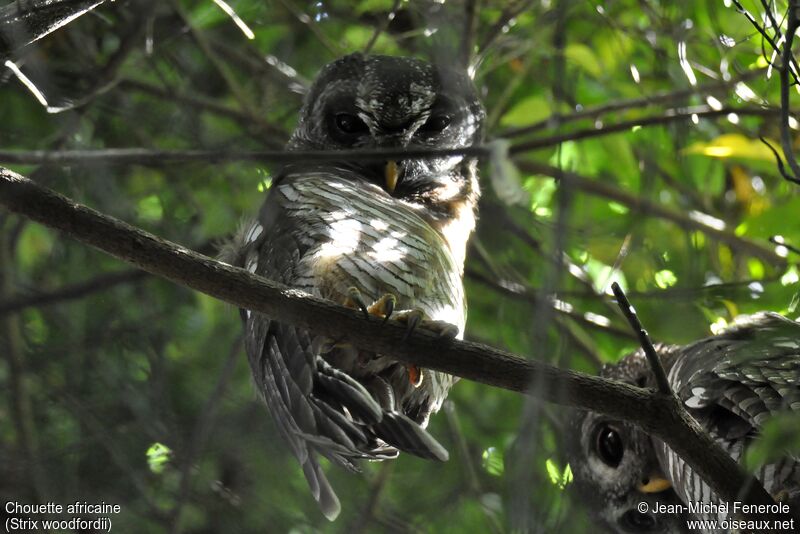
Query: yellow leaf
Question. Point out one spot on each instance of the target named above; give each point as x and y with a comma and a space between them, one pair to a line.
741, 184
750, 199
733, 146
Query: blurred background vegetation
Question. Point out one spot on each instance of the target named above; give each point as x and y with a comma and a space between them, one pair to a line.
120, 387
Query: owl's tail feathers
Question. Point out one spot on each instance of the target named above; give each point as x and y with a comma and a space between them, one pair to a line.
321, 490
400, 431
348, 392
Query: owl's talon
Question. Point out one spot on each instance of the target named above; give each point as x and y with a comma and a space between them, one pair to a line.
354, 300
412, 320
384, 306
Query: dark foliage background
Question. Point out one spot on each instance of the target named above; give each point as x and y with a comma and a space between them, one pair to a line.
123, 388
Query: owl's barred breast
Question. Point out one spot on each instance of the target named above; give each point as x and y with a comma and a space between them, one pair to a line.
367, 239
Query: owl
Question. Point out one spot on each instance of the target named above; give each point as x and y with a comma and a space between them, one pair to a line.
384, 237
731, 384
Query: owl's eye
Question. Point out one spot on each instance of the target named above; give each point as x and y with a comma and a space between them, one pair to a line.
435, 124
350, 124
609, 446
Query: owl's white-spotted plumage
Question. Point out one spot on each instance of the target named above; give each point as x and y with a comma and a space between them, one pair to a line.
327, 228
732, 384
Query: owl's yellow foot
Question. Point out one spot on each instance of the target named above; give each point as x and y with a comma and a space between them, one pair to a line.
414, 319
383, 307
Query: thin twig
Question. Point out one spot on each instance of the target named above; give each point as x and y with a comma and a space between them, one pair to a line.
220, 66
534, 297
644, 339
497, 29
780, 242
157, 158
471, 12
76, 291
383, 26
103, 435
205, 423
332, 47
597, 187
558, 119
205, 104
786, 62
376, 490
666, 118
760, 29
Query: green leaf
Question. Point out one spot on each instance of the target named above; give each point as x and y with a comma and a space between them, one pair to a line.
35, 244
150, 209
158, 456
585, 58
553, 471
492, 461
528, 111
665, 278
557, 477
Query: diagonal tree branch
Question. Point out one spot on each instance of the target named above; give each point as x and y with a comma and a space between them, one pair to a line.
661, 415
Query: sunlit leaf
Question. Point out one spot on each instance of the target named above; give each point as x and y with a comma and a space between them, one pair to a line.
665, 278
528, 111
616, 207
558, 477
492, 461
733, 145
150, 208
583, 56
791, 276
756, 268
158, 456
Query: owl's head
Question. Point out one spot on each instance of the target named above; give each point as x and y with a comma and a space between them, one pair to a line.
372, 102
615, 468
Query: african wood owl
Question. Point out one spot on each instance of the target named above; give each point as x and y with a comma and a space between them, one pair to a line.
388, 237
731, 383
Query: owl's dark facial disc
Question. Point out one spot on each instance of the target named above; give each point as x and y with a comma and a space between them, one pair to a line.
610, 461
375, 102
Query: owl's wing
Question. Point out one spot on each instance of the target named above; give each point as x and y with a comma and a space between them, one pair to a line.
751, 371
317, 408
733, 382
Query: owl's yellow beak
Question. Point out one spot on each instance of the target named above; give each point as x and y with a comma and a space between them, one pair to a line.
391, 173
654, 484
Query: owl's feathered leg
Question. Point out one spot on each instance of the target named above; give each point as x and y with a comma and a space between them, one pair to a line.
385, 307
